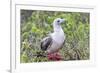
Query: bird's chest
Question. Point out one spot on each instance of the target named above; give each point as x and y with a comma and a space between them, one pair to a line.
59, 37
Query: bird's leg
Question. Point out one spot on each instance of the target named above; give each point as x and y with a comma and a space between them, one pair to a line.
54, 56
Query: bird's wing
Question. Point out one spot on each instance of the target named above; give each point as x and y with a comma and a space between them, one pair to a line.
46, 42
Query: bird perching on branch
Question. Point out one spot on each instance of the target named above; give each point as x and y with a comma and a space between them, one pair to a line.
52, 43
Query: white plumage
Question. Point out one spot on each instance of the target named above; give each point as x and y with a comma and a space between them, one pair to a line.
56, 39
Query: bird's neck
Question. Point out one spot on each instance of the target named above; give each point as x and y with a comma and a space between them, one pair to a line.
57, 28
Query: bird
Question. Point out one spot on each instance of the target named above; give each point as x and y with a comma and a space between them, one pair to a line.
54, 41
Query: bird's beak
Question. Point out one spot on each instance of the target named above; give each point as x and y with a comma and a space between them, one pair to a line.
62, 20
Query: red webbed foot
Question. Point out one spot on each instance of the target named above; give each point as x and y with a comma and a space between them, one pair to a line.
54, 56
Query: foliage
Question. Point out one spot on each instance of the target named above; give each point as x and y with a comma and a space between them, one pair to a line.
36, 25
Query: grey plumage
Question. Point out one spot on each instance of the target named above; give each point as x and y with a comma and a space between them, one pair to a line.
46, 42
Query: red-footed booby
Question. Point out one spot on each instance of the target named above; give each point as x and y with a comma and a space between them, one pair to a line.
52, 43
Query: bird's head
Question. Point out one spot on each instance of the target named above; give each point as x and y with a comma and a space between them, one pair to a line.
58, 21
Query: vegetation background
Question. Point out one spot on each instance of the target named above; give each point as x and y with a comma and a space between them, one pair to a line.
36, 25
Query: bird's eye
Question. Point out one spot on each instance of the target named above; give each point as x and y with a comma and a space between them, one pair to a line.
58, 21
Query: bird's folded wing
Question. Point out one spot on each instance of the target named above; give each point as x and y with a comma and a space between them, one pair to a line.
46, 42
